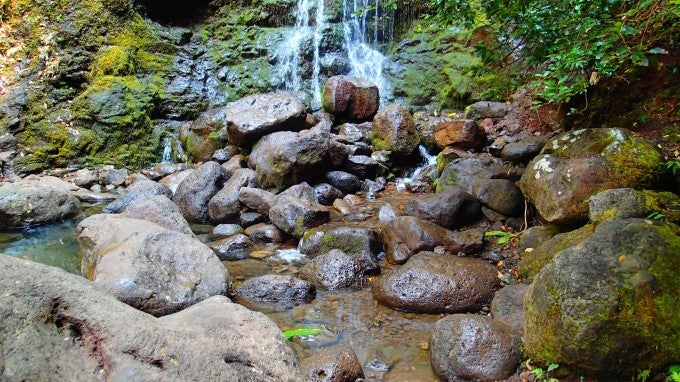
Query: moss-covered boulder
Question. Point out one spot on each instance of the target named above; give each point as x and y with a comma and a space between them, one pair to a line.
575, 165
619, 203
394, 130
607, 306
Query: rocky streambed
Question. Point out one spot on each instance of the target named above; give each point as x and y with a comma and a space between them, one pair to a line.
516, 244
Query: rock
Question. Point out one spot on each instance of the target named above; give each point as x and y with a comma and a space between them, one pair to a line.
60, 327
487, 109
334, 364
620, 203
350, 98
534, 237
255, 116
94, 197
149, 267
301, 191
160, 210
266, 233
464, 172
356, 132
387, 213
111, 176
344, 181
338, 152
451, 207
165, 169
507, 306
247, 219
173, 180
235, 247
138, 190
224, 154
224, 206
286, 158
405, 236
294, 216
326, 194
227, 229
431, 283
282, 290
394, 130
84, 178
32, 202
362, 243
604, 316
332, 270
229, 167
466, 347
204, 135
501, 195
462, 133
256, 199
196, 190
362, 166
524, 150
576, 165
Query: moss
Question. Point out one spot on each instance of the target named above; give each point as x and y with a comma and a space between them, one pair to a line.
666, 203
636, 163
114, 61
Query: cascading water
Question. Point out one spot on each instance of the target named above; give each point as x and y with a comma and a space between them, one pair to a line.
364, 27
427, 161
172, 150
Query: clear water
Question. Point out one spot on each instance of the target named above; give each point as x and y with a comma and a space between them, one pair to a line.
427, 161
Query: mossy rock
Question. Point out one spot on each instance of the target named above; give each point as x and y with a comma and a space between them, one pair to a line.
607, 306
621, 203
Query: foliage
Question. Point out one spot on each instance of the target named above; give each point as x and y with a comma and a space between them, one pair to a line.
541, 374
569, 45
301, 332
503, 237
674, 371
656, 215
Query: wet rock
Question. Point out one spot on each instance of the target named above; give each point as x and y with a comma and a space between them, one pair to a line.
204, 135
286, 158
227, 230
282, 290
326, 194
356, 132
33, 202
535, 236
149, 267
51, 319
604, 316
160, 210
462, 133
338, 152
431, 283
224, 205
229, 167
224, 154
196, 190
451, 207
487, 109
394, 130
301, 191
249, 218
464, 172
507, 306
387, 213
576, 165
138, 190
256, 199
621, 203
405, 236
344, 181
362, 243
448, 155
235, 247
350, 98
332, 270
266, 233
335, 364
165, 169
294, 216
362, 166
466, 347
94, 197
111, 176
524, 150
255, 116
501, 195
173, 180
84, 178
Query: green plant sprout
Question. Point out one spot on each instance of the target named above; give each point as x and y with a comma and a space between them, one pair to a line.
503, 237
289, 334
674, 371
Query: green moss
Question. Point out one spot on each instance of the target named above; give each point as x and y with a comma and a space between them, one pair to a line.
636, 163
666, 203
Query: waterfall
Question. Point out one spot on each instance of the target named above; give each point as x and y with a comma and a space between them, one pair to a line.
426, 161
172, 150
364, 26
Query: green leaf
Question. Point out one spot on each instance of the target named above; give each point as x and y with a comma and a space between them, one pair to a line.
552, 367
301, 332
657, 50
639, 59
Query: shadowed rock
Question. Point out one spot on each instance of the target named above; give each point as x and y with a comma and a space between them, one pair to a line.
32, 202
335, 364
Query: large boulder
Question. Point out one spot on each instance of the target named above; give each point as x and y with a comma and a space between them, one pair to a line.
137, 190
332, 270
204, 135
432, 283
33, 202
335, 364
225, 205
294, 216
607, 306
196, 190
466, 347
149, 267
160, 210
462, 133
620, 203
350, 98
281, 290
286, 158
576, 165
363, 244
451, 207
501, 195
464, 172
60, 327
255, 116
394, 130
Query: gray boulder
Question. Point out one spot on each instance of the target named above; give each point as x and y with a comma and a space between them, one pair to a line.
363, 244
172, 181
466, 347
61, 327
295, 216
326, 194
225, 206
451, 207
234, 247
137, 190
508, 306
281, 290
149, 267
32, 202
621, 203
334, 364
256, 199
344, 181
487, 109
109, 176
227, 229
524, 150
266, 233
394, 130
332, 270
501, 195
255, 116
196, 190
160, 210
464, 172
432, 283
